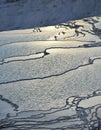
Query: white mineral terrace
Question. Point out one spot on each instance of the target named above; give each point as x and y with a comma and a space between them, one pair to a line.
50, 77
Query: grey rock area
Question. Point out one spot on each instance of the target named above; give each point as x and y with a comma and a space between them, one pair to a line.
17, 14
50, 76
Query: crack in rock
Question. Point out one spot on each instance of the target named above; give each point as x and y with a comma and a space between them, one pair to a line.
90, 61
40, 55
79, 113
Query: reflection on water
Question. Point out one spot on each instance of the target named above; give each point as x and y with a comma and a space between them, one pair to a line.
79, 113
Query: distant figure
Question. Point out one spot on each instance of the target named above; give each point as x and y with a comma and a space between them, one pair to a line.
55, 38
37, 30
77, 32
90, 61
63, 33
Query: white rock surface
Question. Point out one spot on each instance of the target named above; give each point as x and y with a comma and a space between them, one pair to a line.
41, 71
